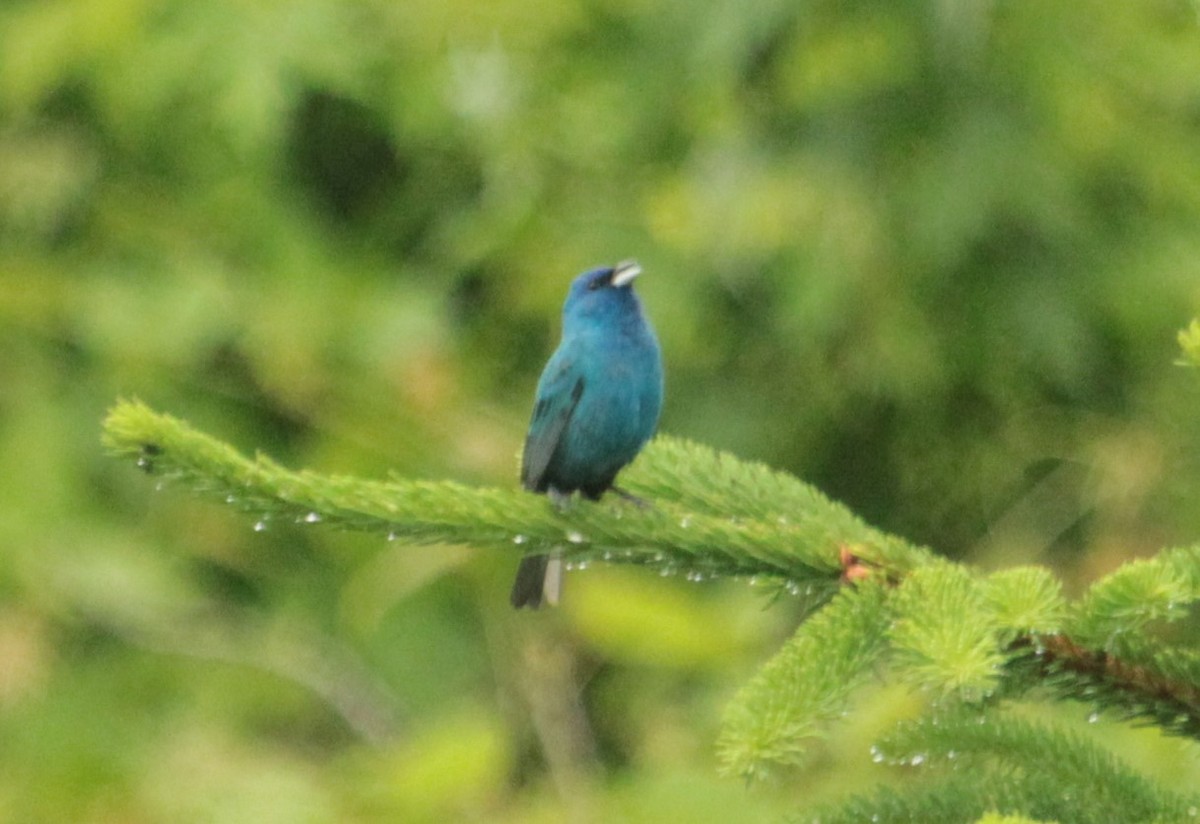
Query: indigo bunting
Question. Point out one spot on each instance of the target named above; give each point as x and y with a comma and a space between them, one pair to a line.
597, 404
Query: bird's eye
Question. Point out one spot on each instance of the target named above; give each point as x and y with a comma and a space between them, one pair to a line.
596, 284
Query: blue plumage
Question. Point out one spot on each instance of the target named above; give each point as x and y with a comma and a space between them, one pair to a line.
597, 403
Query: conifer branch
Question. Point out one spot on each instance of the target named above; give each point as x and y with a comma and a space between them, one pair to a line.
968, 765
1164, 695
1105, 652
951, 797
881, 601
774, 525
1088, 783
775, 718
945, 634
1024, 600
1119, 608
701, 479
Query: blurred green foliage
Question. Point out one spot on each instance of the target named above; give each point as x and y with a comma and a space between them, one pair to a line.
930, 256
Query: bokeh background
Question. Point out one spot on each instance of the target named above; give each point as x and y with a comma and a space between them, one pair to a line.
931, 256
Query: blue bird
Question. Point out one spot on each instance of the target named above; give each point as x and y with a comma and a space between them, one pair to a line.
597, 404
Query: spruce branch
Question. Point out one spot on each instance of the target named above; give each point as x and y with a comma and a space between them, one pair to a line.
1118, 608
945, 634
1162, 690
1025, 600
966, 764
701, 479
775, 718
1105, 653
945, 798
878, 599
1089, 783
775, 525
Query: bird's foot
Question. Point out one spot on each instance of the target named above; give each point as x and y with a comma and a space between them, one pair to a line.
631, 498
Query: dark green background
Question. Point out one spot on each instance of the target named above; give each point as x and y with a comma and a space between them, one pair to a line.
931, 256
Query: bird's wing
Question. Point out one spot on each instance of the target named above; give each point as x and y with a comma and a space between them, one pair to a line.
558, 394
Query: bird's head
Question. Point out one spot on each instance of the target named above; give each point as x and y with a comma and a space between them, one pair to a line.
607, 291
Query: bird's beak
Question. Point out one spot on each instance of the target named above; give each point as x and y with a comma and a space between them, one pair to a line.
624, 272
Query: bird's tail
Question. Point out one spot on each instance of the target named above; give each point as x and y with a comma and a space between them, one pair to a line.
538, 577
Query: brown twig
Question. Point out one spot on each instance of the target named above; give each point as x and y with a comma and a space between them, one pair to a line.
1137, 689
